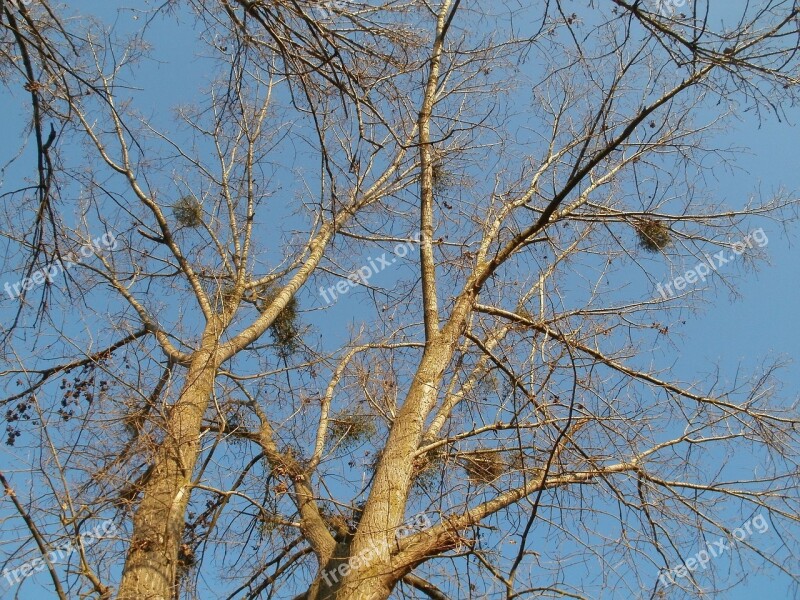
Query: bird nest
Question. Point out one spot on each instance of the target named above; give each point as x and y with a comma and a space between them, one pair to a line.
285, 329
188, 212
653, 235
428, 468
443, 178
483, 465
350, 428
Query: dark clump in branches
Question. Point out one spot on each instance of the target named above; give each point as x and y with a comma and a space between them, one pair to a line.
443, 179
654, 236
351, 428
188, 212
428, 468
285, 330
483, 465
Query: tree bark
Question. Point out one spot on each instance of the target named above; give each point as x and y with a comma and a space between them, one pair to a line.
150, 571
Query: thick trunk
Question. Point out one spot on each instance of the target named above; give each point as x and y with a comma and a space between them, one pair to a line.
367, 590
342, 579
150, 571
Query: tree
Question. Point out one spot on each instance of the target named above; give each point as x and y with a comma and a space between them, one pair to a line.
184, 377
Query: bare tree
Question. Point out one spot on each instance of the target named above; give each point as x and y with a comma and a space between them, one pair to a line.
186, 376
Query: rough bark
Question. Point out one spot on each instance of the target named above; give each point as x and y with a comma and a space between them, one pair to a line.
152, 562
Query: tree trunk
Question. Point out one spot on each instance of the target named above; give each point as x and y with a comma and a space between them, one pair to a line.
151, 566
338, 580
